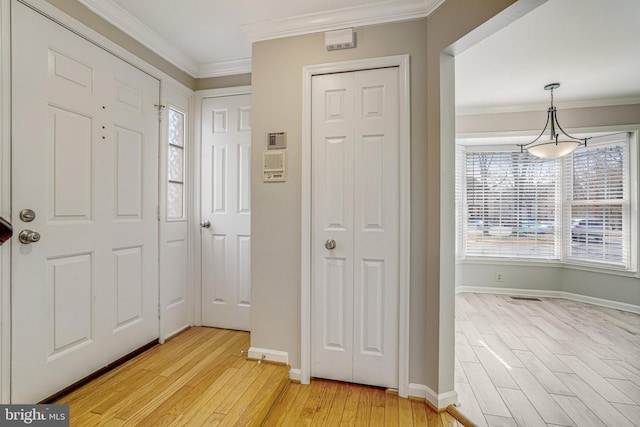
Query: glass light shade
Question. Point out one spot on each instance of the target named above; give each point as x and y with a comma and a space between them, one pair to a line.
552, 149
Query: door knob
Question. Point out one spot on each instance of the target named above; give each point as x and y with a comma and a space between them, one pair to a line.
330, 244
27, 236
205, 224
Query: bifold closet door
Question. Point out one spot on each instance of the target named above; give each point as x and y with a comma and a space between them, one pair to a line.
355, 229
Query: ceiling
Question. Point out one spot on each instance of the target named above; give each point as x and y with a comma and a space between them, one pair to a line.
592, 47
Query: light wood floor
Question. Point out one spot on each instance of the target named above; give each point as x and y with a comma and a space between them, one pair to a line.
200, 378
330, 403
552, 362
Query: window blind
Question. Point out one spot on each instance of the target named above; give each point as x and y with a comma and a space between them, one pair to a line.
510, 205
576, 210
596, 206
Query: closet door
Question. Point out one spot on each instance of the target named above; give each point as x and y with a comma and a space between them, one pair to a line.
355, 231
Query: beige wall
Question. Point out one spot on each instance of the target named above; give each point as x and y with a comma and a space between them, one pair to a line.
277, 105
224, 81
587, 117
276, 216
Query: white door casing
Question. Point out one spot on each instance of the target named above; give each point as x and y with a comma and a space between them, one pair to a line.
85, 141
226, 205
355, 202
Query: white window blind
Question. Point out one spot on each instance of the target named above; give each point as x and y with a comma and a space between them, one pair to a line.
510, 203
597, 205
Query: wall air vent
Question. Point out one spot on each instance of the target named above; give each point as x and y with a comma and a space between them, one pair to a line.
525, 298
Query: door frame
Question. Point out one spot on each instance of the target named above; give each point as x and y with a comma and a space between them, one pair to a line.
402, 62
196, 206
5, 199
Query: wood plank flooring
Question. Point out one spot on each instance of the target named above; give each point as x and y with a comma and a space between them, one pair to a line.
200, 378
552, 362
331, 403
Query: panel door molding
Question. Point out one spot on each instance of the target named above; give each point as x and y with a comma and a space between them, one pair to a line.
86, 293
355, 203
403, 84
226, 210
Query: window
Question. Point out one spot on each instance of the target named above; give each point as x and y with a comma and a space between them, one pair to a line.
175, 164
574, 210
597, 205
510, 205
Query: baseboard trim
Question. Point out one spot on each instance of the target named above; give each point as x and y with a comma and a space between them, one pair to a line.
551, 294
276, 356
439, 402
455, 412
295, 375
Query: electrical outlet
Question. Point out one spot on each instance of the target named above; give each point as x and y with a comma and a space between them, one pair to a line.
498, 277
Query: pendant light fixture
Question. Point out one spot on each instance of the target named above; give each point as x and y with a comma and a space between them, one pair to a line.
556, 146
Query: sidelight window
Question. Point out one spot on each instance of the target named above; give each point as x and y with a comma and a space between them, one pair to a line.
176, 164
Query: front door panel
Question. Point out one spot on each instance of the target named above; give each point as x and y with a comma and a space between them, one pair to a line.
84, 156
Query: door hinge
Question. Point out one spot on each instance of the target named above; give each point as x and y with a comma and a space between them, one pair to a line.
158, 212
160, 107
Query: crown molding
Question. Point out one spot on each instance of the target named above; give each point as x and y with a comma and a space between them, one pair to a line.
226, 68
390, 11
357, 16
561, 105
123, 20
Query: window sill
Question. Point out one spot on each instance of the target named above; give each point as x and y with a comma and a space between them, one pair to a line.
547, 264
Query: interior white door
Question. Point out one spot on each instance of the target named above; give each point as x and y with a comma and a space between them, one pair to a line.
355, 203
226, 211
84, 157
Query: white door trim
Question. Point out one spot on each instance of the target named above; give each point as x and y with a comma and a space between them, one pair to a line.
194, 231
402, 62
5, 199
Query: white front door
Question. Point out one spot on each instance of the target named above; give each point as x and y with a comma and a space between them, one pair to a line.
84, 160
355, 203
226, 212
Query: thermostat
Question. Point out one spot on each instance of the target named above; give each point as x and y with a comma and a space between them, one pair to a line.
275, 166
276, 140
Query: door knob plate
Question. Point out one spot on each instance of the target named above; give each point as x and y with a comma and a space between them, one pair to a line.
27, 215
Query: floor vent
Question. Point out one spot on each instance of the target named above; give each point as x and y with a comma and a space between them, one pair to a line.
526, 298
